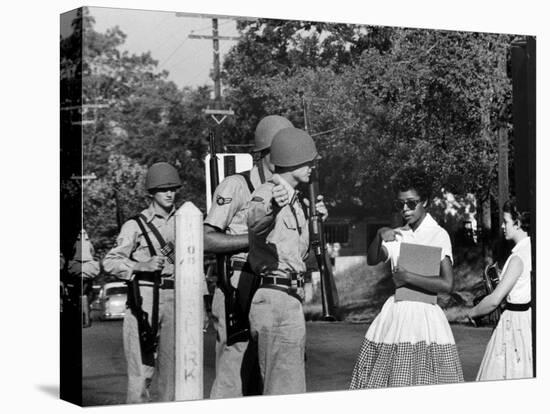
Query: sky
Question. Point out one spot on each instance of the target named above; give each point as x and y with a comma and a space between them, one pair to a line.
165, 35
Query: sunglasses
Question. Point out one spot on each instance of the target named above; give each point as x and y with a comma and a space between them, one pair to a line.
411, 204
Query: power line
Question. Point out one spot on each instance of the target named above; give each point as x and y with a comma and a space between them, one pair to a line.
186, 58
195, 36
173, 53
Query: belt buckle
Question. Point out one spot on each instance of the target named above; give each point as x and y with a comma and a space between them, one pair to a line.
297, 285
295, 280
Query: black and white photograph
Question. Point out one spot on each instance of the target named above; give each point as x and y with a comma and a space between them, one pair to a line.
371, 196
267, 210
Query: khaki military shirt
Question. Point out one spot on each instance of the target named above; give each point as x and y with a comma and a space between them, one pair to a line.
131, 246
278, 237
230, 205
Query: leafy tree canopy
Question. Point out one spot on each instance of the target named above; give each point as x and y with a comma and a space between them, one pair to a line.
388, 97
375, 99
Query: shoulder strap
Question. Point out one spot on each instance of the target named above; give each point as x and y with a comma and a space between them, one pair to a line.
301, 196
246, 176
261, 171
155, 231
138, 220
166, 248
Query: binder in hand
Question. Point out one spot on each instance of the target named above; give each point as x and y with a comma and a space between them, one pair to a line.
422, 260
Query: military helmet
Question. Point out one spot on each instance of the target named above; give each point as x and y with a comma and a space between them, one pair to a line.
161, 175
266, 130
292, 147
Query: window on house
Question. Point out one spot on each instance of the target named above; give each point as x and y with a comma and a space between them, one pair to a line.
337, 233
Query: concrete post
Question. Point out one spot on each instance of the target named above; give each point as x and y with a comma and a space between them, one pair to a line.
189, 312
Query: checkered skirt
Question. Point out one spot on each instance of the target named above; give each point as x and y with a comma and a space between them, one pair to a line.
409, 343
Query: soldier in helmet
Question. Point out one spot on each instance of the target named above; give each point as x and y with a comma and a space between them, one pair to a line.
278, 246
226, 232
84, 268
131, 258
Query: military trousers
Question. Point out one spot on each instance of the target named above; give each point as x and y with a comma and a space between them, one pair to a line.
237, 371
140, 376
278, 327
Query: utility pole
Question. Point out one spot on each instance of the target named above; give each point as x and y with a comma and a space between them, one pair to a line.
216, 49
524, 94
218, 113
503, 179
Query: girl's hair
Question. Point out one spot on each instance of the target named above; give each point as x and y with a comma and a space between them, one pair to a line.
413, 178
521, 217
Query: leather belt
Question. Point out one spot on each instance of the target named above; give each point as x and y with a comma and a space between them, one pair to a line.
297, 282
289, 284
517, 307
165, 282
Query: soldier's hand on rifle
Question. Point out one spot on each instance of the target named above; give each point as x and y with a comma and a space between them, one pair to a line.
321, 208
168, 269
388, 234
154, 264
280, 192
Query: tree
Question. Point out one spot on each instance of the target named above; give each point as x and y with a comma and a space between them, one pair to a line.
112, 199
424, 97
132, 117
281, 49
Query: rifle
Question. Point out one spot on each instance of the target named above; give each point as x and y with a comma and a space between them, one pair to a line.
147, 333
317, 238
236, 324
148, 340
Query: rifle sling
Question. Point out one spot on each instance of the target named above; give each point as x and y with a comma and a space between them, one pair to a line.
246, 176
261, 171
155, 231
152, 251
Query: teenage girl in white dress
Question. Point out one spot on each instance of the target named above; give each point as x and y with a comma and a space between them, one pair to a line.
509, 353
409, 342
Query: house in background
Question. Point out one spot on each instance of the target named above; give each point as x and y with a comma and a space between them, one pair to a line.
348, 233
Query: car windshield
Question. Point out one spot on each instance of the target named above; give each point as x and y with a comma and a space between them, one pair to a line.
118, 290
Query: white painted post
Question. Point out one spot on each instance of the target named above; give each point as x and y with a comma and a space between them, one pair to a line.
189, 303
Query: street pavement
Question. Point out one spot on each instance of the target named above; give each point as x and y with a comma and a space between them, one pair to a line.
331, 350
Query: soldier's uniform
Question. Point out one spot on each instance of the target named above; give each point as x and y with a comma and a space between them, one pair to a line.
131, 247
279, 242
237, 371
84, 268
234, 364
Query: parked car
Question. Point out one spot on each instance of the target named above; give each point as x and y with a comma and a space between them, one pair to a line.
111, 301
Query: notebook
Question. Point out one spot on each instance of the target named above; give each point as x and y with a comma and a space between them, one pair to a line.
423, 260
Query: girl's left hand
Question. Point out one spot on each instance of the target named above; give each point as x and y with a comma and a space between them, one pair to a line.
471, 320
399, 276
464, 317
